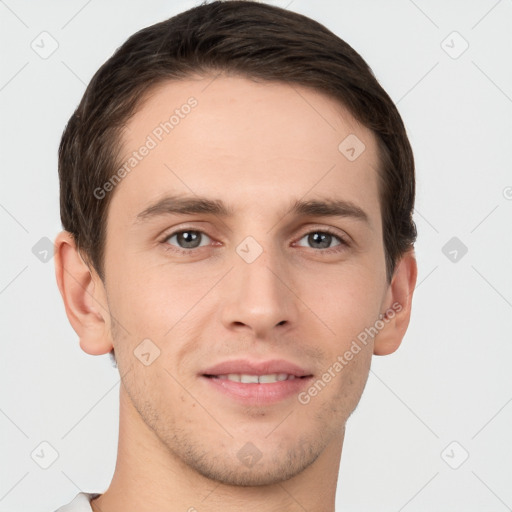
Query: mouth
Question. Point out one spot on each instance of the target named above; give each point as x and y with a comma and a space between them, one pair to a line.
257, 382
246, 378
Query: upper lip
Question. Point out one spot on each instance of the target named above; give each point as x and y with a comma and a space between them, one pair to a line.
248, 367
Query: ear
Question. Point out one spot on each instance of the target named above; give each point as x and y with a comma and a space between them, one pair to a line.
84, 296
397, 305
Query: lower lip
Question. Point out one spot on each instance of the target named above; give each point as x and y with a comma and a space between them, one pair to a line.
256, 393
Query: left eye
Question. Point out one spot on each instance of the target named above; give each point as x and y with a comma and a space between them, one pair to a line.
188, 239
321, 239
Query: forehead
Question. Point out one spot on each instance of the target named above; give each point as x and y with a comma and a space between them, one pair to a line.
254, 145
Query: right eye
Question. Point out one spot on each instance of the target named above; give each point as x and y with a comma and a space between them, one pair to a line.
187, 239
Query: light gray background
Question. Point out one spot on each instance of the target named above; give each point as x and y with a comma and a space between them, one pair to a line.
451, 379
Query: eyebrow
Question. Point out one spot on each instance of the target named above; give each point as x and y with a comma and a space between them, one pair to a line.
330, 208
183, 205
179, 205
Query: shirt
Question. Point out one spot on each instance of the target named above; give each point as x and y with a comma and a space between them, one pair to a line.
81, 503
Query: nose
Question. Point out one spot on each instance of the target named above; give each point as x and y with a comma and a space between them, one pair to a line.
259, 297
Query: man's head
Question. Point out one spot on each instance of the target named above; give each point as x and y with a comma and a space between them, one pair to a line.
241, 190
240, 38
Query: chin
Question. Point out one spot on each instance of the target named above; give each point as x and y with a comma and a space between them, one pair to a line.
257, 476
250, 468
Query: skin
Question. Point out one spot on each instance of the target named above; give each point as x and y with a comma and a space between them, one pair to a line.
258, 147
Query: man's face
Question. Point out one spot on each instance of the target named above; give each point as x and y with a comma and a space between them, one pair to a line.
262, 290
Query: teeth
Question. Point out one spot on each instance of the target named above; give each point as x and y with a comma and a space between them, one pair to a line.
256, 379
248, 379
264, 379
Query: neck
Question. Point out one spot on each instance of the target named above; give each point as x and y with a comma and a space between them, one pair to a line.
149, 477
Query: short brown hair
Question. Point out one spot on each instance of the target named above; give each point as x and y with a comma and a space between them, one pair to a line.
245, 38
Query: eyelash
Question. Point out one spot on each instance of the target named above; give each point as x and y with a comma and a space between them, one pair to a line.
337, 248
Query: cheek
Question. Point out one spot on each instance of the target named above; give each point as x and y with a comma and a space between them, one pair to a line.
333, 396
350, 304
346, 300
151, 299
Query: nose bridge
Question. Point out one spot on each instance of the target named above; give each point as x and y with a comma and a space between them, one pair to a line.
258, 297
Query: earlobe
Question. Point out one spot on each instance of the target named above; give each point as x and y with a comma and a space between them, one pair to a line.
397, 305
84, 297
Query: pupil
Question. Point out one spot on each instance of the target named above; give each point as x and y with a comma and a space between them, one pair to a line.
188, 239
323, 239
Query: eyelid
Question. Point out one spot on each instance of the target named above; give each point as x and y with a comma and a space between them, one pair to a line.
168, 232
